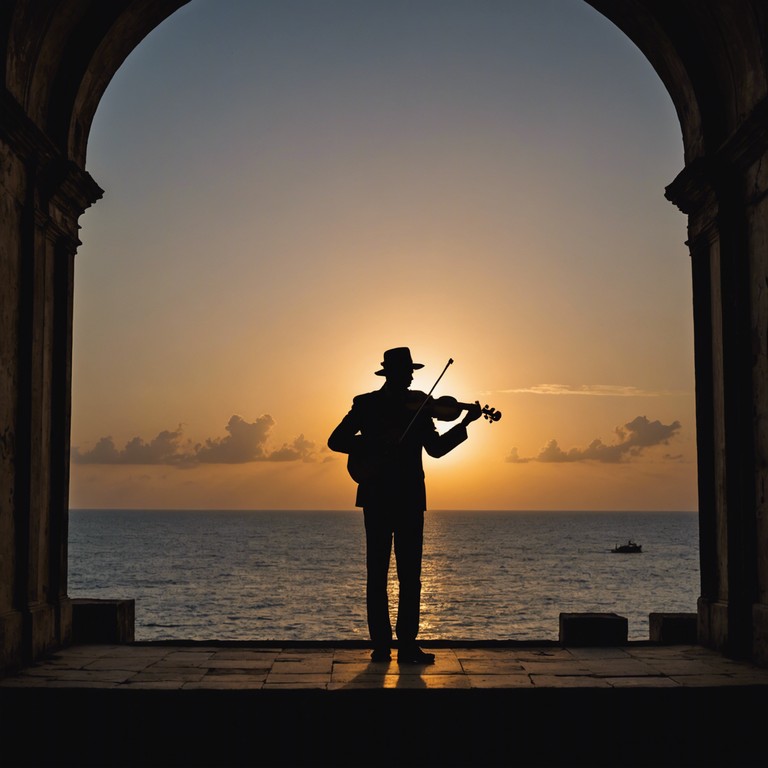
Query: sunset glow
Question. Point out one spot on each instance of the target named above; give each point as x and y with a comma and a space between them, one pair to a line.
293, 187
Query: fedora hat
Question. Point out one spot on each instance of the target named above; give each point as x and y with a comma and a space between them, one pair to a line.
397, 359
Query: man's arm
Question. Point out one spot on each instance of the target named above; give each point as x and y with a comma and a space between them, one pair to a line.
345, 437
437, 445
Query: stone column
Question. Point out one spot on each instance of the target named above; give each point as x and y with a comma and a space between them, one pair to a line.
693, 193
757, 239
68, 192
724, 196
12, 191
42, 196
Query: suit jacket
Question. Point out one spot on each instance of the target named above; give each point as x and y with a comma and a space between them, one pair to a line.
375, 423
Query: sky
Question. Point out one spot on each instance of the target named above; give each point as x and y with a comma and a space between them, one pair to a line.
294, 186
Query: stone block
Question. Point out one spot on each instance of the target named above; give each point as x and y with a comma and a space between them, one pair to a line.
593, 629
103, 621
673, 628
11, 630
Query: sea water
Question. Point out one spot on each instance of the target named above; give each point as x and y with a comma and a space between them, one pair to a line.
300, 575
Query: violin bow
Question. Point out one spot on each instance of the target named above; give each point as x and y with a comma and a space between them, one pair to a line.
426, 400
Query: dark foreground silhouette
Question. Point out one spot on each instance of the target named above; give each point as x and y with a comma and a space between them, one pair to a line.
384, 435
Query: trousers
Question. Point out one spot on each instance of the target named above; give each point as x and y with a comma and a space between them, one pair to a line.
405, 527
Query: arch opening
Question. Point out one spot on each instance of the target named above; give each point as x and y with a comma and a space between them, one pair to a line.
417, 253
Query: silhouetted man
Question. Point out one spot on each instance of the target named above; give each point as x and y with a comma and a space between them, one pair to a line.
385, 445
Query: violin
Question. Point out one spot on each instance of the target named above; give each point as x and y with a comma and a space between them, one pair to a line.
447, 408
365, 462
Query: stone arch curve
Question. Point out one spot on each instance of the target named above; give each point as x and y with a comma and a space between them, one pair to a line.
57, 58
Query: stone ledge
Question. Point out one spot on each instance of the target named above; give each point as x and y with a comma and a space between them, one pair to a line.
103, 621
673, 628
593, 629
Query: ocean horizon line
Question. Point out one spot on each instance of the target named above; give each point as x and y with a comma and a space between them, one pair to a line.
357, 510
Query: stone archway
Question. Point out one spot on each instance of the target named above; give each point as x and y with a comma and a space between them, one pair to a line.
57, 59
712, 59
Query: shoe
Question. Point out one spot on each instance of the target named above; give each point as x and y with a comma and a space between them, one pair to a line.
381, 654
414, 655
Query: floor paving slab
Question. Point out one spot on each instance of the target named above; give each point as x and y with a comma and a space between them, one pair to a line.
365, 679
311, 679
227, 685
445, 664
183, 674
598, 653
433, 682
251, 656
231, 672
500, 681
555, 668
154, 685
303, 666
123, 663
186, 658
225, 681
677, 667
620, 667
568, 681
223, 664
81, 675
641, 682
489, 667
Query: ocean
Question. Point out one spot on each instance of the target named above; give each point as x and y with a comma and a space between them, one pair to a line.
300, 575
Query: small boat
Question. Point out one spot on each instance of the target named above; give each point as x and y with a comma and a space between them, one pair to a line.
629, 548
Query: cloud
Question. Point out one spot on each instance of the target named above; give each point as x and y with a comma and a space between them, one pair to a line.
104, 452
590, 390
163, 449
633, 438
300, 449
245, 442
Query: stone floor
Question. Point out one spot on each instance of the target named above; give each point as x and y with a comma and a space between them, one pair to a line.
296, 705
336, 667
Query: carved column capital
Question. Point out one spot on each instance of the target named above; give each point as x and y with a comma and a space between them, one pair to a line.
57, 189
67, 186
64, 191
700, 187
692, 190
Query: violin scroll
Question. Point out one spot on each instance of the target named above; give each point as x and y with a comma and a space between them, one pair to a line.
491, 414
